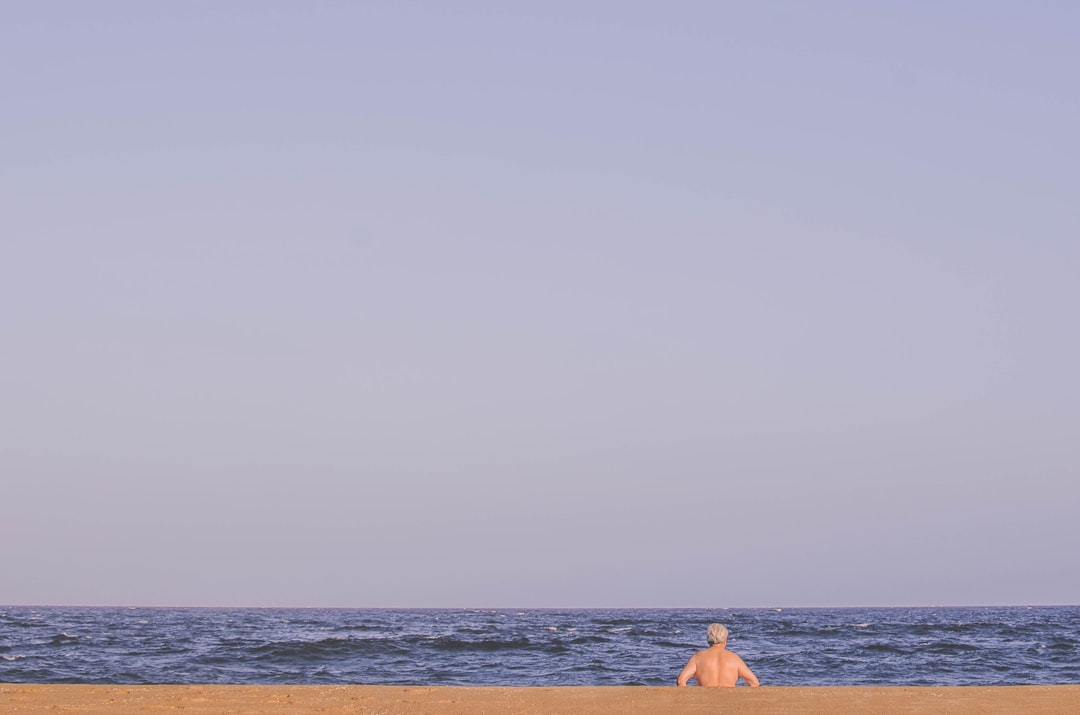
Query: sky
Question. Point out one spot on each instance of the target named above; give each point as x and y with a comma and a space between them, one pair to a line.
539, 304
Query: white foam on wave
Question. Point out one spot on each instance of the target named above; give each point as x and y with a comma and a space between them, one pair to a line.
12, 657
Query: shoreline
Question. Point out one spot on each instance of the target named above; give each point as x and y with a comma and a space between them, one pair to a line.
34, 699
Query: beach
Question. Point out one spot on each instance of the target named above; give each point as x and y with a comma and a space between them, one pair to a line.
31, 699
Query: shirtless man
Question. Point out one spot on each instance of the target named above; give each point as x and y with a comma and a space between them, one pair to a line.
716, 666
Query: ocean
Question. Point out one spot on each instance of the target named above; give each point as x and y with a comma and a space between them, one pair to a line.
535, 647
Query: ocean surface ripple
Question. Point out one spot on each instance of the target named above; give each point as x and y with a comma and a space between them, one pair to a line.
806, 646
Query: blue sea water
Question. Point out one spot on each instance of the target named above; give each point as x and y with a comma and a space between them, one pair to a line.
849, 646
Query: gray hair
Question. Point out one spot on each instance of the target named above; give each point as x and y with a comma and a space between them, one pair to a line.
717, 634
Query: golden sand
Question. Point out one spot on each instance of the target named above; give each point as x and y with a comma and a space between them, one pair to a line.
380, 699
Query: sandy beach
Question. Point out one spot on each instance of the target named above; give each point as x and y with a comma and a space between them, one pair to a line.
197, 699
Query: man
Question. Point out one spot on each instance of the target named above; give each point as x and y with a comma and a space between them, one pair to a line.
716, 666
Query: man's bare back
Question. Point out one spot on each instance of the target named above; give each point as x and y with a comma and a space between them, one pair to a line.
716, 666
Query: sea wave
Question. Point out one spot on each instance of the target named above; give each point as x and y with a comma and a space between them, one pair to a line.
536, 647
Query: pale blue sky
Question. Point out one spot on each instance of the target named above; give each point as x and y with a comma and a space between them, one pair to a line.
546, 304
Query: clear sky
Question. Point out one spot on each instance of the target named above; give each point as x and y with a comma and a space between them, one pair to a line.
575, 304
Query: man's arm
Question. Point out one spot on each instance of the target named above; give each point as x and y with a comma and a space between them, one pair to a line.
687, 672
748, 675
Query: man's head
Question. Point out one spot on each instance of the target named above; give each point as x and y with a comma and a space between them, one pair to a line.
717, 634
